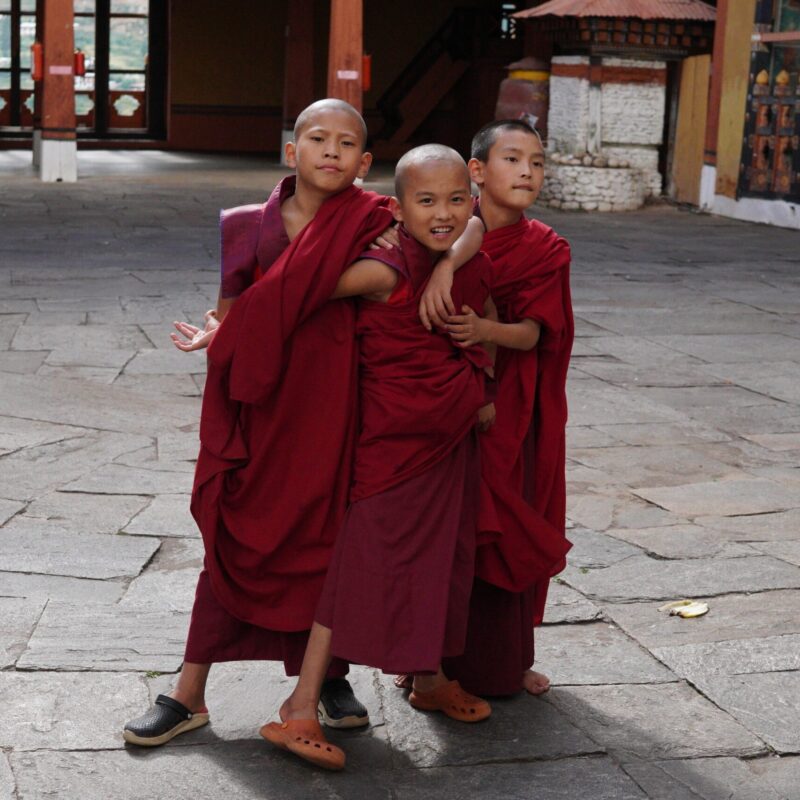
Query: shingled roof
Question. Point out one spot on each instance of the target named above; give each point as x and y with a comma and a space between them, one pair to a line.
639, 9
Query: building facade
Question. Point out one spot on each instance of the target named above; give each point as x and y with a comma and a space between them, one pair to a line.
751, 167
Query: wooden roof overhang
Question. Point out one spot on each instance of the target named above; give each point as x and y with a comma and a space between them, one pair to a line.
634, 28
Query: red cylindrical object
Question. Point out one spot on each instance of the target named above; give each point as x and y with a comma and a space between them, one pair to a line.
37, 61
80, 63
366, 72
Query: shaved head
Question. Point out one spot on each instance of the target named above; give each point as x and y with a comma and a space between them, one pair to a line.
308, 114
419, 157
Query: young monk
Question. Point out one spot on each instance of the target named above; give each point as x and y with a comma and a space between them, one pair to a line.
273, 471
397, 593
275, 462
523, 455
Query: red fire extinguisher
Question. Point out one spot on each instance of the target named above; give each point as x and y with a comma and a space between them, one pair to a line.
79, 66
37, 61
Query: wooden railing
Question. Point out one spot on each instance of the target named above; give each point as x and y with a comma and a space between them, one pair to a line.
136, 120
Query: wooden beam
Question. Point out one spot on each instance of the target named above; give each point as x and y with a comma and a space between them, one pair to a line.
594, 133
345, 51
715, 86
787, 37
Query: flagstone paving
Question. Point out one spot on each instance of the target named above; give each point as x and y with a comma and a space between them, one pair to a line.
683, 447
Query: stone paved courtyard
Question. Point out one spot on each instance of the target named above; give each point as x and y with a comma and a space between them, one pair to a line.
683, 453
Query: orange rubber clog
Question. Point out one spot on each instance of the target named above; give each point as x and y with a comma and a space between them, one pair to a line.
304, 738
451, 699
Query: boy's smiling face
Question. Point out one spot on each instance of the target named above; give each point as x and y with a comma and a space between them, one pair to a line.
328, 153
435, 203
513, 174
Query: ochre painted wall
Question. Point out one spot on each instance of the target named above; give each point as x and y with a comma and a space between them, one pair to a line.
687, 162
735, 79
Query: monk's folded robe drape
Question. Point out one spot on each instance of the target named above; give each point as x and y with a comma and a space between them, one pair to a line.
277, 426
397, 593
524, 451
523, 490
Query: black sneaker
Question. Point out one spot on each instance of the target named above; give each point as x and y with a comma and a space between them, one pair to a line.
339, 707
162, 722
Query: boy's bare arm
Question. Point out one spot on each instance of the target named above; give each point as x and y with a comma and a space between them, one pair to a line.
436, 303
468, 329
366, 278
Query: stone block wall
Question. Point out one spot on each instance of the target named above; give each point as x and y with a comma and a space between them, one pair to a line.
641, 157
632, 107
568, 114
633, 113
574, 187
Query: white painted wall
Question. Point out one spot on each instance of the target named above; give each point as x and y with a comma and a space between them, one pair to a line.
632, 118
568, 114
749, 209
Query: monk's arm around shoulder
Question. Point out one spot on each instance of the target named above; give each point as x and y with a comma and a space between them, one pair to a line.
436, 303
367, 278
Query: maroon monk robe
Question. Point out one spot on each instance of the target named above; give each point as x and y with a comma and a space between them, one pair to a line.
277, 425
252, 239
397, 591
523, 462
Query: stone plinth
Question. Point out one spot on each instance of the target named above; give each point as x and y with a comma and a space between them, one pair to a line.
574, 187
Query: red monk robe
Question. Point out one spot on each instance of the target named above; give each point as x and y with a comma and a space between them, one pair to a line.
277, 428
523, 462
397, 592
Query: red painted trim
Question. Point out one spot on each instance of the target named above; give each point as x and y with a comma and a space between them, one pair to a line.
598, 74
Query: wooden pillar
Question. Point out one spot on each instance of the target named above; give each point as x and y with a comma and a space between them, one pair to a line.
345, 51
739, 25
715, 86
58, 158
37, 94
594, 133
298, 79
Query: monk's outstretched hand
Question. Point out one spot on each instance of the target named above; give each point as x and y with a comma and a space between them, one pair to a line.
192, 337
467, 328
436, 303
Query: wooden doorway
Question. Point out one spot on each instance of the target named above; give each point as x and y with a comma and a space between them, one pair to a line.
687, 160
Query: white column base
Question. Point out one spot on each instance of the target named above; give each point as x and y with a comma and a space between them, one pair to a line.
708, 187
754, 209
37, 149
286, 136
58, 161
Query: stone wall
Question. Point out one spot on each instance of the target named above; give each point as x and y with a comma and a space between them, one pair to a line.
633, 113
643, 158
568, 114
573, 186
631, 122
